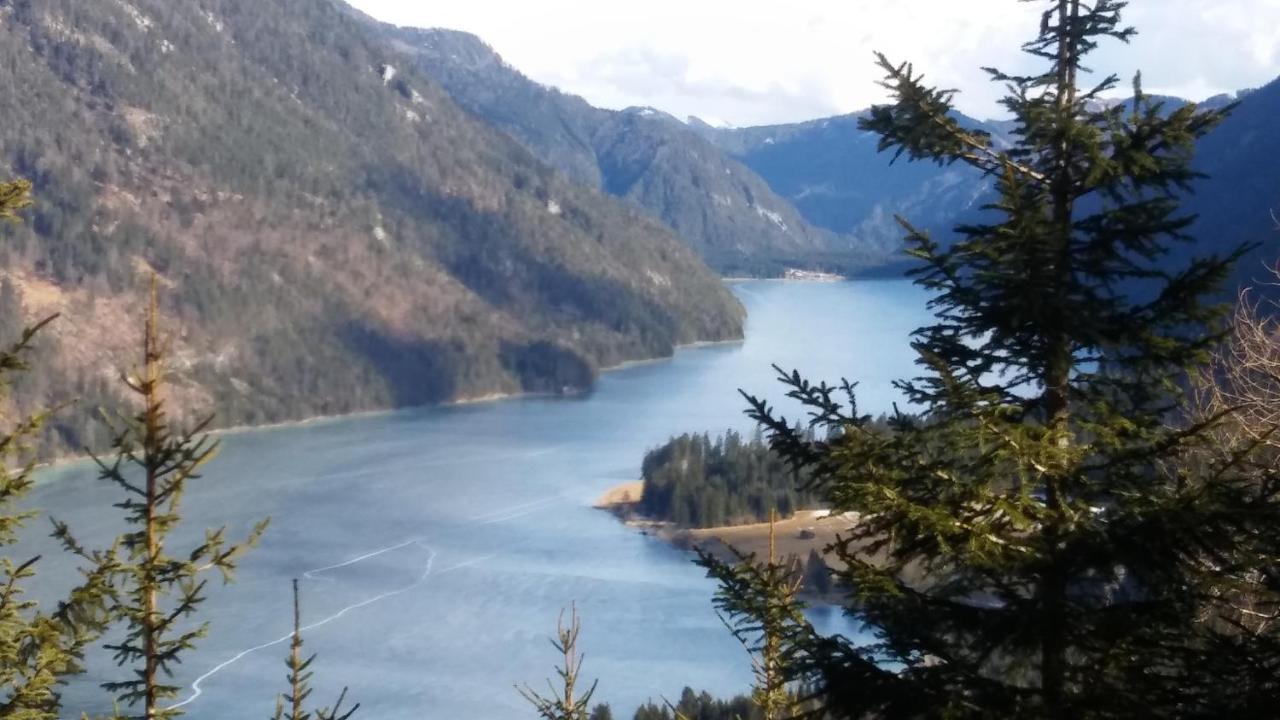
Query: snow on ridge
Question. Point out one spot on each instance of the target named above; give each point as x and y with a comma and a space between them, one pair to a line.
144, 23
774, 217
658, 279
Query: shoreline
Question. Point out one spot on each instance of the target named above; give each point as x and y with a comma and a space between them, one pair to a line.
794, 537
480, 399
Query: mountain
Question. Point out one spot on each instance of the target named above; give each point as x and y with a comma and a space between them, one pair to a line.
722, 209
1239, 200
331, 232
831, 171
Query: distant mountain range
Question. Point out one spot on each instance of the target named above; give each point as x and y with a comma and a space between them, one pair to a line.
722, 209
816, 194
835, 176
331, 231
1239, 201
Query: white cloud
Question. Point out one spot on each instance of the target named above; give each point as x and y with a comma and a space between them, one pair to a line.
764, 61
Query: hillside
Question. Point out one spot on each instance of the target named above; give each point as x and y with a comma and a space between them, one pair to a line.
718, 205
1239, 202
331, 231
832, 173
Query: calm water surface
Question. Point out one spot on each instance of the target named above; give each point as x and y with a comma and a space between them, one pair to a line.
436, 547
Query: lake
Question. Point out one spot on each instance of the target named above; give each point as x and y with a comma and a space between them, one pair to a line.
436, 547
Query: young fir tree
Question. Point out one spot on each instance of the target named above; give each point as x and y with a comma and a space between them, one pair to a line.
292, 705
39, 650
158, 590
758, 603
565, 702
1076, 540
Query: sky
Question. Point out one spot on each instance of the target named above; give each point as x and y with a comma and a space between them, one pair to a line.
756, 62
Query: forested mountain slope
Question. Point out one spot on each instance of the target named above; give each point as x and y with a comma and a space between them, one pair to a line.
720, 207
1239, 202
832, 172
331, 232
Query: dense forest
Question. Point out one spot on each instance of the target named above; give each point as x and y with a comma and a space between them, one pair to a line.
334, 234
695, 481
1090, 488
701, 706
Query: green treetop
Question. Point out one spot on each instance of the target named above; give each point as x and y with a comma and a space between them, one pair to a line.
39, 649
157, 591
292, 704
1078, 536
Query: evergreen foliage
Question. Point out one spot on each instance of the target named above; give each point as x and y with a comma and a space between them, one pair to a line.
758, 602
1081, 538
137, 582
817, 574
292, 705
39, 650
155, 590
694, 481
701, 706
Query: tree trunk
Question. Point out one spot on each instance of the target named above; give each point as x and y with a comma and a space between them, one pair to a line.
1057, 378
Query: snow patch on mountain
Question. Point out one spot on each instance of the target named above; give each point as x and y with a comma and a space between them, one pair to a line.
772, 216
213, 21
144, 23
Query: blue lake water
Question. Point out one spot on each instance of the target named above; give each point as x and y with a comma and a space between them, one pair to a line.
436, 547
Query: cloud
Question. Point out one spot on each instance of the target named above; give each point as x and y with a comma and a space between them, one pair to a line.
766, 61
673, 82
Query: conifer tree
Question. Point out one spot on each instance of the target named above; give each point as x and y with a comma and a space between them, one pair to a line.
564, 702
1076, 540
159, 590
38, 649
758, 603
292, 705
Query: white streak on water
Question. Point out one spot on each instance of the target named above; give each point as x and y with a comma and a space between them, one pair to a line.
196, 690
515, 511
316, 574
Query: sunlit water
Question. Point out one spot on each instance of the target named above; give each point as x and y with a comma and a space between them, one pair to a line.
436, 547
